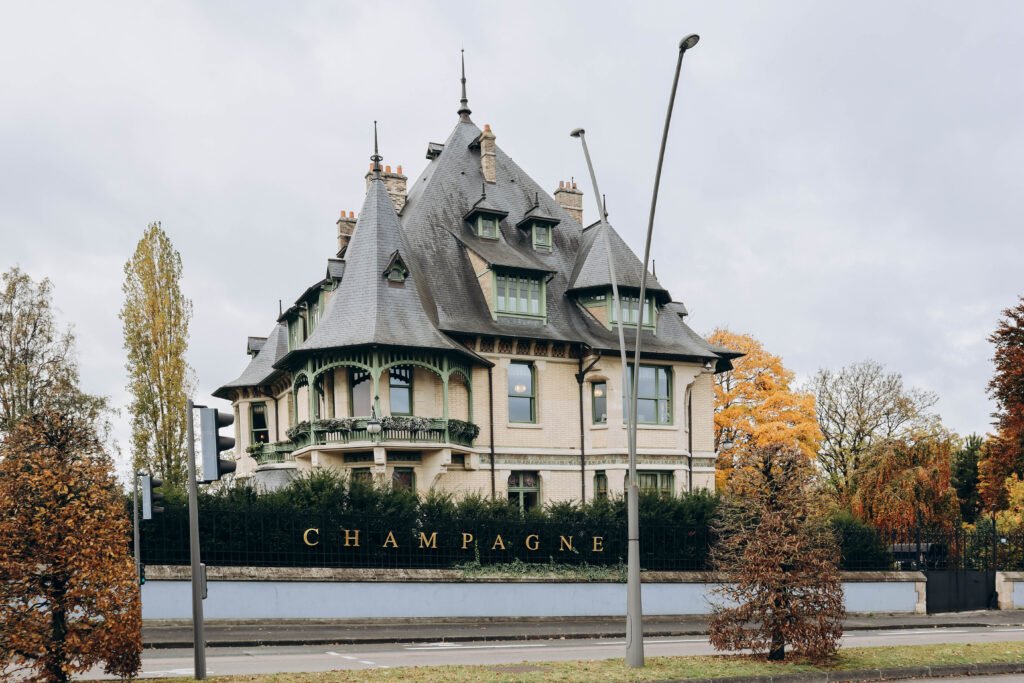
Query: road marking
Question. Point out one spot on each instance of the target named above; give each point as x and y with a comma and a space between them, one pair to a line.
1009, 630
363, 661
656, 642
473, 647
928, 632
347, 657
335, 654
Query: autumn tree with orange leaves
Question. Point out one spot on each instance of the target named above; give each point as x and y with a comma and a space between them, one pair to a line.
757, 406
1003, 454
904, 485
68, 593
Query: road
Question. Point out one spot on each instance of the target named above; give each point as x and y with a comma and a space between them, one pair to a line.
263, 660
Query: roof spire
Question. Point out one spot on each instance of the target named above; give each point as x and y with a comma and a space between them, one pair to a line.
464, 110
376, 158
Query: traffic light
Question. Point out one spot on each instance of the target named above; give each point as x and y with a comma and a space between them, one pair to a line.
210, 422
150, 495
142, 574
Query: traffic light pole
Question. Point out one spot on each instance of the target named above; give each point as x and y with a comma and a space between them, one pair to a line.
198, 638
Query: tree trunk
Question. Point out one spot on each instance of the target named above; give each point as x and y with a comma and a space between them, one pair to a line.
777, 653
55, 665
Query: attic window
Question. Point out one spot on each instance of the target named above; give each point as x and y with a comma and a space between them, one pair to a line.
541, 235
396, 270
487, 226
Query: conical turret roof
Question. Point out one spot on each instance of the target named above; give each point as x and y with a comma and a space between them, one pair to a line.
368, 307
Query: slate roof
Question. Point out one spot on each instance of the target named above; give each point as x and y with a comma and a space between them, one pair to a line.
437, 237
591, 270
367, 308
261, 370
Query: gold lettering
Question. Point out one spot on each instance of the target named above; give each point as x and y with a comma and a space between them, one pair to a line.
563, 544
497, 542
466, 539
390, 539
598, 544
536, 542
305, 536
428, 542
351, 537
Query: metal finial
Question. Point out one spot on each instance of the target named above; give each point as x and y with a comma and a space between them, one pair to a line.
464, 110
376, 158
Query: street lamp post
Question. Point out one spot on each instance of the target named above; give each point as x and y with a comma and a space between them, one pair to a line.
634, 609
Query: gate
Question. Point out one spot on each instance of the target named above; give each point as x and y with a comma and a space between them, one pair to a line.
959, 590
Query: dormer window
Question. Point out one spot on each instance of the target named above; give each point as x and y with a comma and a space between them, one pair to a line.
485, 217
631, 310
540, 225
541, 235
487, 227
396, 271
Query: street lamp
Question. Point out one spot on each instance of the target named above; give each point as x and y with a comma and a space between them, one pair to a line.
373, 424
634, 610
727, 444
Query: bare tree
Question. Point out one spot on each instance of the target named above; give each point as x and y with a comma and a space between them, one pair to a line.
859, 406
38, 366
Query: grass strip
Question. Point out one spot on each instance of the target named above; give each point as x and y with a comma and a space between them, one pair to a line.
660, 668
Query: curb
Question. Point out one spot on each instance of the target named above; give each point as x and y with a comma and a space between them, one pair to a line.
479, 637
902, 673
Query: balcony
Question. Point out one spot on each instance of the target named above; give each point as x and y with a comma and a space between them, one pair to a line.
352, 430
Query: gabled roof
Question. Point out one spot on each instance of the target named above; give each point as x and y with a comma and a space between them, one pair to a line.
368, 309
591, 269
261, 371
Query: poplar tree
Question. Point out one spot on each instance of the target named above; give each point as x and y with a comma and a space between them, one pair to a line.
155, 319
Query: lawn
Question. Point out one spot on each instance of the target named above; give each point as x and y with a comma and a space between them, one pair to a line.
660, 668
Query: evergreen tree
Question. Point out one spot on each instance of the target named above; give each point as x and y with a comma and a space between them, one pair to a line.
965, 478
155, 319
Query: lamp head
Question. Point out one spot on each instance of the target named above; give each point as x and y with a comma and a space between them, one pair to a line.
689, 41
577, 132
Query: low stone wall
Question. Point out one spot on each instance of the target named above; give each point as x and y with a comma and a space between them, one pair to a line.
319, 593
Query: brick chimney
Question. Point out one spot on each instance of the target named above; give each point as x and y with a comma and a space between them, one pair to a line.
396, 184
346, 224
570, 198
487, 156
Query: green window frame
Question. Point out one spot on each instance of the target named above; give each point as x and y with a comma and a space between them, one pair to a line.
541, 235
259, 428
600, 484
654, 395
599, 402
520, 295
524, 489
655, 481
400, 389
361, 474
295, 337
487, 226
631, 311
403, 478
522, 392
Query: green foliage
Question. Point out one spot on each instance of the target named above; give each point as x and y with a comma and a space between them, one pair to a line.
860, 544
155, 319
244, 525
965, 478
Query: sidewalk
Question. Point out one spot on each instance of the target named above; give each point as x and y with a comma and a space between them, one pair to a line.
178, 634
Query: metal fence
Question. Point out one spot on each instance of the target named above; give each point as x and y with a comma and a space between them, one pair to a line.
265, 538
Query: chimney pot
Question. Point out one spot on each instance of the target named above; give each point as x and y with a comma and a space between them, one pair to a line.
387, 169
395, 184
399, 170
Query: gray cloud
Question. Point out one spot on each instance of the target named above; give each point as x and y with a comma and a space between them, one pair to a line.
841, 179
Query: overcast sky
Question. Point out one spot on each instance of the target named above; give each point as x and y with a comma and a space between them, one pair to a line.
842, 179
